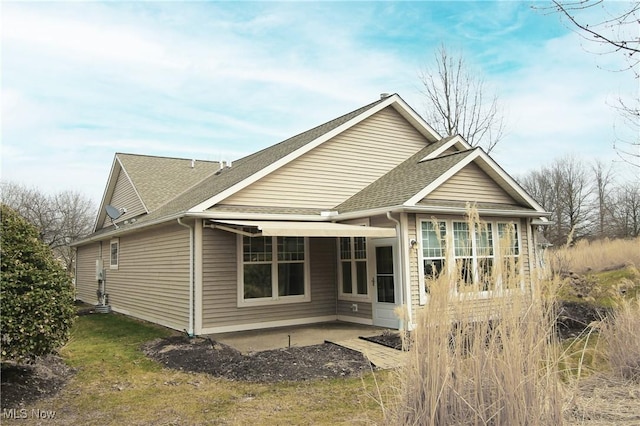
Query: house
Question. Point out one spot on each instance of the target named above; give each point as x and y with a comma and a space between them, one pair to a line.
336, 223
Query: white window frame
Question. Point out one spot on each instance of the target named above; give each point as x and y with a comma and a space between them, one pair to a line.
518, 246
354, 295
114, 242
442, 239
275, 299
450, 249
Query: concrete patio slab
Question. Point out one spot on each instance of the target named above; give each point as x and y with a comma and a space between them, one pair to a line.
301, 335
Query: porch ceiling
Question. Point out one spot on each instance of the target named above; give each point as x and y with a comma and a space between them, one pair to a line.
305, 229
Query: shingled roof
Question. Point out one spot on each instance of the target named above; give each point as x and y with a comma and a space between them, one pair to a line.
171, 187
404, 181
160, 179
244, 168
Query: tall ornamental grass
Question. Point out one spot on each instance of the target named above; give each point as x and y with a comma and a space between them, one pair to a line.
482, 357
621, 334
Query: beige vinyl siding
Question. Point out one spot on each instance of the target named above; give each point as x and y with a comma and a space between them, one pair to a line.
86, 283
220, 286
152, 279
125, 196
339, 168
413, 263
364, 309
471, 184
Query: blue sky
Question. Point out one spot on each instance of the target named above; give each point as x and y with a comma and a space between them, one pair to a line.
220, 80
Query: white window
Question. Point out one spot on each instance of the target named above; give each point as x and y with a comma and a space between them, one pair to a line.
434, 248
273, 270
474, 252
352, 267
509, 252
114, 250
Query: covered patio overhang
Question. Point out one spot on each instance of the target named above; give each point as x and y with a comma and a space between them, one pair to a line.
300, 229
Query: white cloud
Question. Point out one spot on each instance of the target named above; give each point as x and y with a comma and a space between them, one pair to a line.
219, 80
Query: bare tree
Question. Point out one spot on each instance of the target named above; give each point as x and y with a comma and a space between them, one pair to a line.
457, 102
615, 30
60, 218
563, 189
628, 147
603, 179
625, 210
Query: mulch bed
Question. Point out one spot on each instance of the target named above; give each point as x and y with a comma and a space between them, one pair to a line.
574, 318
390, 340
291, 364
23, 384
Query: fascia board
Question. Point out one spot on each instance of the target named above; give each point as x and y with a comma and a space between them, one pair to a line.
415, 119
440, 180
489, 163
481, 212
210, 202
261, 216
108, 191
435, 210
457, 141
510, 181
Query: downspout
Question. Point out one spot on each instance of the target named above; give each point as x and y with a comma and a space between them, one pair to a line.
401, 248
531, 255
191, 276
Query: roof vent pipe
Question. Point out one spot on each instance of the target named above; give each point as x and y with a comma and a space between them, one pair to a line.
193, 163
384, 95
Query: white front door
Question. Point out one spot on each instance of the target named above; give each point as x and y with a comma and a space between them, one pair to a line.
385, 282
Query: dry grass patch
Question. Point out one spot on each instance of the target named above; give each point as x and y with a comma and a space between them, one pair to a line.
603, 399
620, 332
595, 256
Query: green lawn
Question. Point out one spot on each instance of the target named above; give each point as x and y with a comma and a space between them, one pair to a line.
116, 384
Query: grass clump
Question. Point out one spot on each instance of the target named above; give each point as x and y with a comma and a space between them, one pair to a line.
498, 368
620, 332
595, 256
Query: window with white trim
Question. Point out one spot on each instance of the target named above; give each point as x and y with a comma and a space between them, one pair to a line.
509, 253
274, 269
480, 254
353, 267
434, 248
114, 253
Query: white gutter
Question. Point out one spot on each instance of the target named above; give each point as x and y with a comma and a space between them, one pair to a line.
125, 229
191, 276
437, 210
